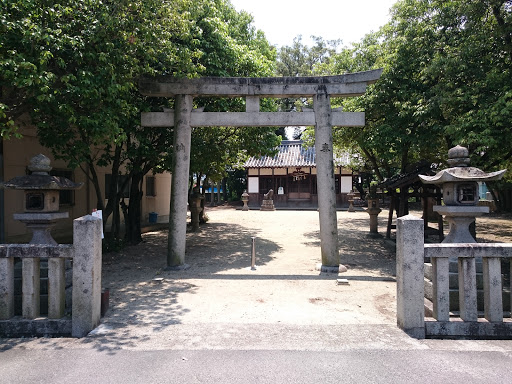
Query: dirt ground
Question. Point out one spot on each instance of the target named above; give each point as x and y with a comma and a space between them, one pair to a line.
285, 288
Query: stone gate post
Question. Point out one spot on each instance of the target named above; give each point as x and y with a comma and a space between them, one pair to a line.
179, 184
325, 183
86, 305
410, 288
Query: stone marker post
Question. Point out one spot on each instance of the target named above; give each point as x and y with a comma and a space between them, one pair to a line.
410, 288
326, 183
86, 305
179, 185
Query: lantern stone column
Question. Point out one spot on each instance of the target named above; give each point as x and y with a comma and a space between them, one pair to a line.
374, 210
326, 183
179, 184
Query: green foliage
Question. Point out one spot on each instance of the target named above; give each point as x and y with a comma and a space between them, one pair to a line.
446, 81
231, 47
74, 66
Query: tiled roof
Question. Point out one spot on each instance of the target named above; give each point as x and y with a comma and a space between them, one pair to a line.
291, 154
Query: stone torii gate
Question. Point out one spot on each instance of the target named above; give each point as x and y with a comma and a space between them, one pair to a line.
183, 118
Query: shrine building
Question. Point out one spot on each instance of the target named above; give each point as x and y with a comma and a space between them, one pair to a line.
291, 174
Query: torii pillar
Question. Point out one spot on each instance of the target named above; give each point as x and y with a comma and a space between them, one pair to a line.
176, 240
326, 183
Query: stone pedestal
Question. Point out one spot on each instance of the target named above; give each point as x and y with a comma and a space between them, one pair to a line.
460, 218
374, 225
373, 210
268, 205
41, 224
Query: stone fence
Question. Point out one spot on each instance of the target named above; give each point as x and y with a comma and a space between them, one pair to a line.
468, 323
85, 254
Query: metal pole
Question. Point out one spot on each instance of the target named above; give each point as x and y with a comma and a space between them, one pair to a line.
253, 258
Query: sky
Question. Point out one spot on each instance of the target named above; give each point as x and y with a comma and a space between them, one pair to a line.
348, 20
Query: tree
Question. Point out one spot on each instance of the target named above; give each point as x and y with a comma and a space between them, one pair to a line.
79, 64
231, 47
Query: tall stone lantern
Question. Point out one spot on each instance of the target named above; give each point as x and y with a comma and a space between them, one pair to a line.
41, 202
460, 194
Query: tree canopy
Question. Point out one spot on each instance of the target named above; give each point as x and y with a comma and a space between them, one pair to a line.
74, 67
446, 81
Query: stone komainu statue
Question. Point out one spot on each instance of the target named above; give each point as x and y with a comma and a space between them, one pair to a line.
269, 195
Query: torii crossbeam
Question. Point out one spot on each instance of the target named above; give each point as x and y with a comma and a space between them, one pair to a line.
323, 117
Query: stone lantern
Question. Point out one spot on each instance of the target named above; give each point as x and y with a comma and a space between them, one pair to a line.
460, 194
245, 200
196, 208
41, 198
350, 197
373, 209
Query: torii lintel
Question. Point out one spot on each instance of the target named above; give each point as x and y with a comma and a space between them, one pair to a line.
347, 85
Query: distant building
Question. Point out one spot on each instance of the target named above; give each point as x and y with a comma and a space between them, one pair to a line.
292, 175
15, 155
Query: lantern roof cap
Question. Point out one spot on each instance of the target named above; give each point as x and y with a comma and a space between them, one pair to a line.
40, 179
458, 158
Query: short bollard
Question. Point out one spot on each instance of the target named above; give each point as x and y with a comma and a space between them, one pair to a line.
253, 258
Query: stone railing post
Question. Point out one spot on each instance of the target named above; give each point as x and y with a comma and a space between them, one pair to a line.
409, 276
6, 288
86, 275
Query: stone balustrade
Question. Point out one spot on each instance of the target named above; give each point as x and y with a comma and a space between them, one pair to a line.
86, 255
468, 323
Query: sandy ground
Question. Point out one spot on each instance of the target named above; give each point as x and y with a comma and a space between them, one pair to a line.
285, 287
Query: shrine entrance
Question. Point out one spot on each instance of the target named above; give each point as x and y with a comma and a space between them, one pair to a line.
323, 117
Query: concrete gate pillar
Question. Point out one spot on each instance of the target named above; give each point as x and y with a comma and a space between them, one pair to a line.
326, 183
179, 184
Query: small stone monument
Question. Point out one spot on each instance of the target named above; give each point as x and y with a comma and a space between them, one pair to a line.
460, 194
350, 197
374, 210
195, 208
41, 198
245, 200
268, 201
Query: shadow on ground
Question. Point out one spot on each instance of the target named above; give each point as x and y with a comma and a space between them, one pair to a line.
140, 299
358, 250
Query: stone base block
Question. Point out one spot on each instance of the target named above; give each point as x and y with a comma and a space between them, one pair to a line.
181, 267
480, 329
331, 269
18, 327
268, 205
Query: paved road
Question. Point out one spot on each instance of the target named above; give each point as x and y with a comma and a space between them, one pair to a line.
255, 353
250, 366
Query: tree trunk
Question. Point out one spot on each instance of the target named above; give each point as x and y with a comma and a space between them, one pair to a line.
133, 220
